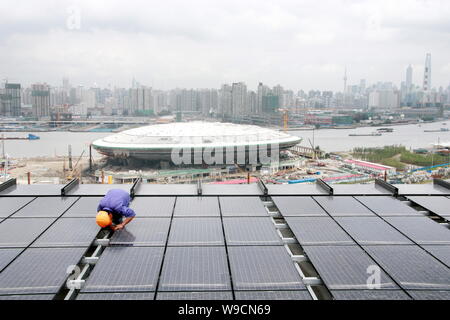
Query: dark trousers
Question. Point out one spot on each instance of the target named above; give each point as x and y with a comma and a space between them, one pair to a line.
117, 218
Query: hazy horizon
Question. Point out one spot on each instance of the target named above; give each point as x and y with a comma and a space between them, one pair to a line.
203, 44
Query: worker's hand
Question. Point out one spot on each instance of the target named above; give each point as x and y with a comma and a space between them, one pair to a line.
118, 227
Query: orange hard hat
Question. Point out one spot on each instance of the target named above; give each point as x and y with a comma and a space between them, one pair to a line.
103, 219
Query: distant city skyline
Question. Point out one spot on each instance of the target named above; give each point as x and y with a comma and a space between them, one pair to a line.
203, 44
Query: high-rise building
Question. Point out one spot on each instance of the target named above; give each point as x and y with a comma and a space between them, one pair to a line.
427, 73
239, 98
225, 106
409, 73
10, 104
40, 100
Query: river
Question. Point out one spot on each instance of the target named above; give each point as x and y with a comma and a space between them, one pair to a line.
331, 140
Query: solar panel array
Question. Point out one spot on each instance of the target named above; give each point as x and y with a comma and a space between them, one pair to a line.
373, 247
225, 245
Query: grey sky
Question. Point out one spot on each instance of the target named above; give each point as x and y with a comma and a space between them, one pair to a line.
188, 43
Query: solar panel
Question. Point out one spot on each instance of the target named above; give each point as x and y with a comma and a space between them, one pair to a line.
153, 206
318, 231
371, 230
9, 205
85, 207
388, 206
196, 232
273, 295
422, 230
373, 294
117, 296
28, 297
345, 267
429, 294
167, 189
39, 270
21, 232
440, 252
295, 189
45, 207
7, 255
195, 269
231, 190
420, 189
242, 206
298, 206
439, 205
343, 206
363, 189
33, 190
197, 206
263, 268
143, 232
250, 231
411, 267
212, 295
98, 190
70, 232
121, 269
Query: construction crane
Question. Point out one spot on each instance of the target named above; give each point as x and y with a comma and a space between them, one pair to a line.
285, 118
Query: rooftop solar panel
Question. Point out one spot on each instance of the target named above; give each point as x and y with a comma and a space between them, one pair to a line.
45, 207
9, 205
318, 231
39, 270
117, 296
28, 297
70, 232
429, 295
388, 206
146, 189
143, 232
85, 207
7, 255
369, 295
196, 232
411, 267
33, 190
363, 189
421, 189
250, 231
345, 267
197, 206
242, 206
295, 189
439, 205
343, 206
231, 190
21, 232
122, 269
263, 268
273, 295
421, 229
98, 190
371, 230
440, 252
195, 269
153, 206
298, 206
212, 295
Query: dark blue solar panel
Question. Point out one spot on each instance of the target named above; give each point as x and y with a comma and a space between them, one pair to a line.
429, 294
242, 206
388, 206
195, 269
345, 267
85, 207
422, 230
440, 252
273, 295
196, 232
343, 206
7, 255
153, 206
263, 268
212, 295
117, 296
122, 269
411, 267
250, 231
39, 270
318, 231
298, 206
143, 232
9, 205
439, 205
197, 206
373, 294
48, 207
21, 232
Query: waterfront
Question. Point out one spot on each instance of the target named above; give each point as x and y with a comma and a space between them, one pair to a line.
54, 144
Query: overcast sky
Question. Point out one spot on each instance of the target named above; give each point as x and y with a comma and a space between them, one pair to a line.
187, 43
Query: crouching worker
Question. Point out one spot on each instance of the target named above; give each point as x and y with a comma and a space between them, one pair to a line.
113, 210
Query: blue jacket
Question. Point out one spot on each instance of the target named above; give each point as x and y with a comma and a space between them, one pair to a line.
116, 201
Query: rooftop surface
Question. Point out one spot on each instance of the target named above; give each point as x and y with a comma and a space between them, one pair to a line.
302, 242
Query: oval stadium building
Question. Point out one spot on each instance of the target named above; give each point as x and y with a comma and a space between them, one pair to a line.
161, 141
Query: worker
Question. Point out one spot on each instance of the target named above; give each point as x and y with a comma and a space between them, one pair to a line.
113, 208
